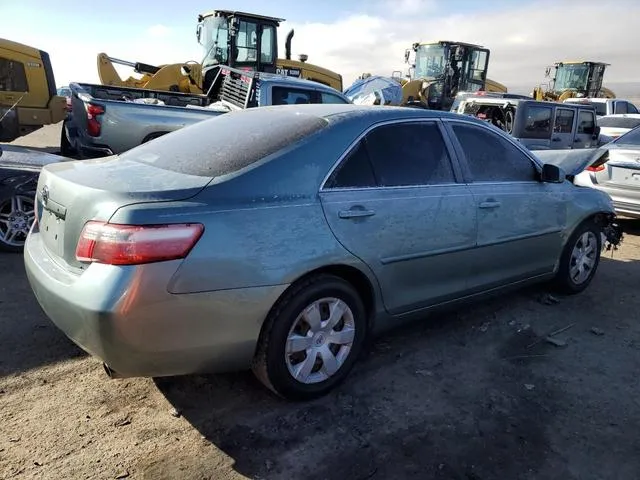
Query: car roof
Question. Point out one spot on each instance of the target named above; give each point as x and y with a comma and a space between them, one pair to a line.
622, 115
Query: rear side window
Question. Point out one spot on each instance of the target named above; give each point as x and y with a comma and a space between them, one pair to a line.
291, 96
409, 154
226, 143
586, 122
538, 122
492, 158
330, 98
13, 77
564, 120
354, 171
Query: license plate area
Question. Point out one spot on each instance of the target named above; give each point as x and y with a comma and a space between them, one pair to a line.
52, 231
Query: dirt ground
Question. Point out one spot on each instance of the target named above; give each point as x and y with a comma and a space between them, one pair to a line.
473, 394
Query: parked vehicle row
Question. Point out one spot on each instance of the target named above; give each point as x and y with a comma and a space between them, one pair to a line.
282, 237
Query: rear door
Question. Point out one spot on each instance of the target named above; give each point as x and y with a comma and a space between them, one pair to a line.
585, 130
520, 219
397, 201
563, 128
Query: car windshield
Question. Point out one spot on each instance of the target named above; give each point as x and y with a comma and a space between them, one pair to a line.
571, 77
619, 122
430, 61
214, 37
227, 143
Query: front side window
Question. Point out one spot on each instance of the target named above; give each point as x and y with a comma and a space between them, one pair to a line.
13, 77
492, 158
586, 123
564, 120
408, 154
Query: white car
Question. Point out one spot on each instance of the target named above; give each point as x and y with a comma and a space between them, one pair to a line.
615, 125
606, 106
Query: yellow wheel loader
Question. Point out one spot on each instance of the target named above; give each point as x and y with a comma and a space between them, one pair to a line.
250, 42
574, 79
442, 69
237, 39
28, 94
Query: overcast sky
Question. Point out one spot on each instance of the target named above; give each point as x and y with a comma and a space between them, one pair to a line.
348, 36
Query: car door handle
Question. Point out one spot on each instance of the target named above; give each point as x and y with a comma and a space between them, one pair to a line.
355, 213
490, 204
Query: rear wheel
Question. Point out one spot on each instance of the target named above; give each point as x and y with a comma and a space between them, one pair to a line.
580, 259
16, 216
311, 339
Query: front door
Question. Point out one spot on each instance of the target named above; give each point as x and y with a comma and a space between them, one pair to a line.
563, 124
520, 219
395, 203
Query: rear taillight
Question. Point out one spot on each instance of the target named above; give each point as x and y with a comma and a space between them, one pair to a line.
93, 124
596, 168
136, 244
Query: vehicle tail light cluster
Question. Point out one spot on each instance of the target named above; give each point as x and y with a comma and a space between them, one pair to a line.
598, 165
115, 244
93, 122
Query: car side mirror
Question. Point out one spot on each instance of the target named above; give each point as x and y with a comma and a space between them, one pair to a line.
552, 174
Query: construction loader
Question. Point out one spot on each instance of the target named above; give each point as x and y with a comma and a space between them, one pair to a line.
237, 39
28, 94
442, 69
574, 79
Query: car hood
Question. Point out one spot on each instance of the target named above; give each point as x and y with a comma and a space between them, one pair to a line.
571, 161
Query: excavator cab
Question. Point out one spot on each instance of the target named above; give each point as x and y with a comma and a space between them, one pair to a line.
239, 40
442, 69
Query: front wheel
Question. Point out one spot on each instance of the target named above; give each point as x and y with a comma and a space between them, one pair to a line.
311, 339
580, 259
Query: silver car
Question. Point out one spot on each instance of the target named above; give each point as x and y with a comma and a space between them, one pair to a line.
617, 173
279, 238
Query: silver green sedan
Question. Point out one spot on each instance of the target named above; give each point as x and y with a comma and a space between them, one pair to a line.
279, 238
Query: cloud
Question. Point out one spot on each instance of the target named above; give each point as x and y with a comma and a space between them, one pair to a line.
523, 39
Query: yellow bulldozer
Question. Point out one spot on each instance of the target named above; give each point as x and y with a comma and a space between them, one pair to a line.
574, 79
237, 39
441, 69
28, 94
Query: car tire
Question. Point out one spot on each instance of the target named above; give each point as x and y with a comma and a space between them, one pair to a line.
22, 207
300, 315
580, 259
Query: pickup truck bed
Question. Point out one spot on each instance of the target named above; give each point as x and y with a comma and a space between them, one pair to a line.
108, 120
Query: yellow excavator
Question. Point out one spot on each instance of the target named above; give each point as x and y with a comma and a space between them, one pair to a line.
238, 39
441, 69
28, 94
574, 79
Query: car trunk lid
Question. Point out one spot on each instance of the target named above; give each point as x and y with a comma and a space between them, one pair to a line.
623, 168
69, 194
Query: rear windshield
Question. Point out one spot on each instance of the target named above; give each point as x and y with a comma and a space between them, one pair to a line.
226, 143
623, 122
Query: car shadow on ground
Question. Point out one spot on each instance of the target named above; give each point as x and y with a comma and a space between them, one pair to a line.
28, 339
469, 394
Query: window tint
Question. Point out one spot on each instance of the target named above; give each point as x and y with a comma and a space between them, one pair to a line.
266, 45
621, 107
409, 154
330, 98
291, 96
12, 76
492, 158
564, 120
632, 137
354, 171
538, 122
586, 123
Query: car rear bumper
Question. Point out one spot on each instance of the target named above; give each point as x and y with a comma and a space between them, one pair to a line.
626, 202
125, 317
